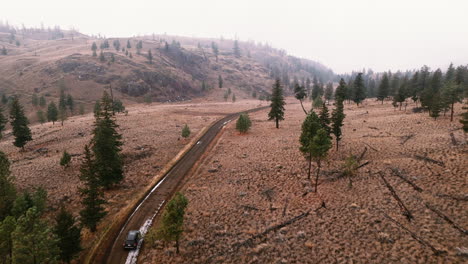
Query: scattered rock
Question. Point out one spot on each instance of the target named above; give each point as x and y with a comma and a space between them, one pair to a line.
301, 234
354, 206
242, 194
309, 244
213, 170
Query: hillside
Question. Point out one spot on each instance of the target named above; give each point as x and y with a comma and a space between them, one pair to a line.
40, 61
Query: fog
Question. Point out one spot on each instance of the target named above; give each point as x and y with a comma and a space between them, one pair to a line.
343, 35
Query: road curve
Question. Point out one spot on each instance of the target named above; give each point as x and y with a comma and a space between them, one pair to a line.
149, 207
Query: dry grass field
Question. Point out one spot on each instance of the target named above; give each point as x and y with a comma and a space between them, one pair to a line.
251, 182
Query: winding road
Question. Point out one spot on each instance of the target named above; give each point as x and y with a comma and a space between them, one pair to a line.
143, 215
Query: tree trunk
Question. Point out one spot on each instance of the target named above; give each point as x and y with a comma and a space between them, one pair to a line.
277, 123
177, 245
310, 166
303, 108
317, 175
337, 143
382, 101
451, 113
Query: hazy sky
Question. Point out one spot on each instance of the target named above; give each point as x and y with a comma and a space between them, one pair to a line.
344, 35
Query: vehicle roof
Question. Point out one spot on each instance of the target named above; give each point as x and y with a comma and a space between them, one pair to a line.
132, 234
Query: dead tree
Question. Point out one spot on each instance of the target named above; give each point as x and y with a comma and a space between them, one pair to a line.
416, 237
446, 218
402, 206
398, 173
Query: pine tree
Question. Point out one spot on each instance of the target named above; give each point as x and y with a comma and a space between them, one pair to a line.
42, 101
128, 44
139, 46
19, 122
464, 120
277, 103
324, 118
4, 99
7, 187
233, 98
94, 48
317, 103
315, 89
300, 94
7, 226
106, 145
309, 129
101, 57
236, 49
220, 81
68, 234
172, 222
186, 131
150, 57
70, 103
433, 94
340, 93
41, 117
215, 49
383, 88
35, 100
3, 121
52, 112
328, 92
243, 123
116, 44
65, 160
33, 240
359, 89
91, 193
451, 94
4, 51
402, 93
337, 121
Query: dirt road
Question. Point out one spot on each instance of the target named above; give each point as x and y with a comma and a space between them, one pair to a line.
161, 192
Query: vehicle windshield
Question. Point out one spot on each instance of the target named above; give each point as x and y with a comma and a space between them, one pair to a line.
131, 237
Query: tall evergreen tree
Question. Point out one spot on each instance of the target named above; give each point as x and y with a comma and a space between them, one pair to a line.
52, 112
383, 88
451, 94
329, 92
324, 118
7, 227
315, 89
359, 89
215, 49
19, 122
150, 57
94, 48
33, 240
337, 121
68, 234
277, 103
172, 222
7, 187
106, 145
300, 94
401, 93
91, 193
129, 46
464, 120
35, 100
3, 121
220, 81
309, 129
101, 57
41, 116
340, 93
70, 103
42, 101
236, 49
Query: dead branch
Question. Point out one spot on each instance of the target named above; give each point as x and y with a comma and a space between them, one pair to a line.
426, 159
402, 206
249, 241
454, 197
416, 237
398, 173
446, 218
374, 128
250, 207
371, 147
406, 138
362, 165
362, 155
454, 141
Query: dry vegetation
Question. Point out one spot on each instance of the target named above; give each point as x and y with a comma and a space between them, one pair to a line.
249, 183
151, 135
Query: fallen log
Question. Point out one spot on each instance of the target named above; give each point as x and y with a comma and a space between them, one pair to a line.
454, 197
446, 218
416, 237
362, 165
406, 138
249, 241
398, 173
406, 212
454, 141
250, 207
426, 159
362, 155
